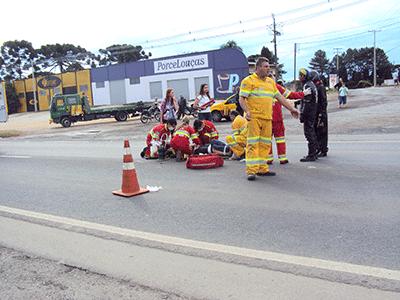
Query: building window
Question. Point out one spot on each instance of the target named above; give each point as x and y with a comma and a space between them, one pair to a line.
100, 84
57, 90
134, 80
84, 88
42, 93
21, 95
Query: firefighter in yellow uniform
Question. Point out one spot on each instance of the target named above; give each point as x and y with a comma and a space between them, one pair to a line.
257, 93
237, 141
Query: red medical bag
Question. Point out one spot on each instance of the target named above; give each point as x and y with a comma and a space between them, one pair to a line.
204, 161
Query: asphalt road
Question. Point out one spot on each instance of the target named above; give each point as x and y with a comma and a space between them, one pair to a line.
344, 207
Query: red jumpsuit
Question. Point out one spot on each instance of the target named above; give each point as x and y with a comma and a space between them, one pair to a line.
208, 133
278, 128
183, 137
158, 133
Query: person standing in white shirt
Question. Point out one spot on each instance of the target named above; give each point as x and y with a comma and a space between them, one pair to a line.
203, 103
343, 92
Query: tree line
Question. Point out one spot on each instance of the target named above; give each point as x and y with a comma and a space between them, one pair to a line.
19, 58
355, 65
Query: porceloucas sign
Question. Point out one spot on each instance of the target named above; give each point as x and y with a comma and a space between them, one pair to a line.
181, 64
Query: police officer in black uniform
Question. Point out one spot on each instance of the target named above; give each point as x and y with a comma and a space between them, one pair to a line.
321, 122
308, 112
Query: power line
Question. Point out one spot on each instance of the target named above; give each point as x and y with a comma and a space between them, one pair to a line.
240, 22
334, 32
392, 49
319, 13
234, 32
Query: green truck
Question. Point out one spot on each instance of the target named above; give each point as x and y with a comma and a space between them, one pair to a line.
68, 109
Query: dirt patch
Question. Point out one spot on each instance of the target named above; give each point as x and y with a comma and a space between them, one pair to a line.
29, 277
9, 133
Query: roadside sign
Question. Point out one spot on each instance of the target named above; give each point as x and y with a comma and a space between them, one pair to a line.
3, 103
333, 80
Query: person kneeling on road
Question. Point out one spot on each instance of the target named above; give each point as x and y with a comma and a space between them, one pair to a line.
185, 140
208, 135
158, 140
206, 131
237, 141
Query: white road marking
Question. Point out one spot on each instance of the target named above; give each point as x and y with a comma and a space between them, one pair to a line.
303, 261
15, 156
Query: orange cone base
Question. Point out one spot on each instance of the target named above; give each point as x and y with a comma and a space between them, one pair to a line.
139, 192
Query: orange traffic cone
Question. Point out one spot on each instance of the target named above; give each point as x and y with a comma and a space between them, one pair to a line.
130, 184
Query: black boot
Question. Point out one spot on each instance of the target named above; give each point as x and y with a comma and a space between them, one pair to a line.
309, 158
322, 154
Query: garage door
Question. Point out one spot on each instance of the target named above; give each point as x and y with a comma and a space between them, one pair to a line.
117, 92
180, 86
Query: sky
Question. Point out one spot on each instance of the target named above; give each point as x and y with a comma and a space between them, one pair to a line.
167, 28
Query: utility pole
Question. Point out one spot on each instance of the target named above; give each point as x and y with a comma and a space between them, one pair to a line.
337, 60
294, 67
274, 32
374, 31
34, 86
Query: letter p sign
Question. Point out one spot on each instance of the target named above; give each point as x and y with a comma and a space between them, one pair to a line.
233, 80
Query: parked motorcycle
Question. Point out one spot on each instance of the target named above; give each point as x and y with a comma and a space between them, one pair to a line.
152, 113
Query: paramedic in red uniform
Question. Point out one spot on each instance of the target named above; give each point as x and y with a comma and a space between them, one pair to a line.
158, 135
206, 131
185, 140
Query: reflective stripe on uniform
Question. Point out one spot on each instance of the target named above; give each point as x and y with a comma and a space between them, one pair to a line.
282, 157
182, 133
261, 94
232, 144
244, 93
280, 140
286, 93
265, 140
253, 139
154, 135
255, 161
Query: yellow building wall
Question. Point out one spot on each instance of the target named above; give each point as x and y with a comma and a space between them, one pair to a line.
29, 85
44, 99
20, 90
80, 79
84, 84
68, 79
